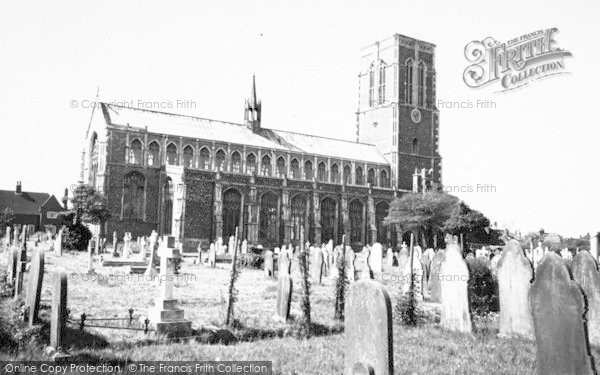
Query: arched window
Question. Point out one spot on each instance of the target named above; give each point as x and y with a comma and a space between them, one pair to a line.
371, 176
355, 211
308, 170
268, 229
133, 195
382, 84
154, 154
371, 87
171, 154
250, 163
135, 152
359, 178
220, 160
204, 158
265, 165
281, 167
167, 211
335, 173
383, 178
188, 156
415, 146
322, 172
408, 82
236, 162
347, 174
295, 167
421, 84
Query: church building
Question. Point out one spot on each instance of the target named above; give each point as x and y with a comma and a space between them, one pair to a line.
199, 179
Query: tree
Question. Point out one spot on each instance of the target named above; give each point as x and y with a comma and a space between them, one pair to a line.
465, 221
424, 213
7, 216
89, 205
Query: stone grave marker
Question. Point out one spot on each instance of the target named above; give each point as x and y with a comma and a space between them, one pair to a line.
34, 287
58, 243
284, 262
212, 255
494, 263
244, 246
316, 266
59, 315
360, 264
368, 328
389, 257
269, 267
514, 279
586, 274
284, 295
435, 292
21, 264
11, 265
561, 342
403, 258
376, 258
454, 275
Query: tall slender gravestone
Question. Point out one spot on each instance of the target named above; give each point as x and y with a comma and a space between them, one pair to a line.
34, 287
376, 258
454, 275
269, 267
11, 265
212, 255
585, 273
435, 291
284, 262
316, 266
21, 263
514, 279
403, 258
368, 328
59, 314
361, 266
58, 243
557, 305
284, 295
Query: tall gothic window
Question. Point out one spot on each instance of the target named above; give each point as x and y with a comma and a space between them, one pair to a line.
171, 154
265, 166
154, 154
269, 218
236, 162
204, 158
384, 181
408, 81
281, 167
250, 163
371, 87
133, 196
322, 172
220, 158
347, 174
308, 170
335, 173
188, 156
295, 167
356, 221
135, 152
359, 178
371, 176
382, 84
421, 84
415, 146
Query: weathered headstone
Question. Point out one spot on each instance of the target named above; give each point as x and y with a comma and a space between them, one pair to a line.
21, 263
114, 242
284, 262
368, 328
11, 265
557, 305
389, 257
403, 258
514, 279
362, 269
316, 266
454, 275
435, 292
212, 255
269, 267
376, 258
537, 255
585, 272
91, 245
494, 263
284, 295
58, 243
34, 287
59, 315
244, 246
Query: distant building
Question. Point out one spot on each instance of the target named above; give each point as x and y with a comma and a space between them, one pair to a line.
197, 179
37, 211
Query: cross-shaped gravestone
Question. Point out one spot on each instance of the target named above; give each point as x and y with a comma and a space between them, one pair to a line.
34, 286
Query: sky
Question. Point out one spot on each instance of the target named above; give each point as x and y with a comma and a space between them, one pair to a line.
535, 147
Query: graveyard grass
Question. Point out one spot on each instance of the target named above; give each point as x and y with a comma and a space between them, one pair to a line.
423, 350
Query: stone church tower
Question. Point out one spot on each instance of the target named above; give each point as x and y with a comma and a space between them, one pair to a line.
397, 109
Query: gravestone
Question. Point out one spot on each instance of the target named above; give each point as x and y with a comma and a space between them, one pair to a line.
21, 264
316, 266
454, 275
150, 268
362, 269
34, 287
514, 279
368, 328
58, 243
269, 271
561, 342
212, 255
90, 270
376, 258
537, 255
231, 245
426, 265
284, 263
585, 272
59, 315
389, 257
244, 246
114, 243
435, 291
494, 263
403, 258
11, 265
284, 295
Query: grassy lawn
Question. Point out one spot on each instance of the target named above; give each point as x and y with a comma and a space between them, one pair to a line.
202, 294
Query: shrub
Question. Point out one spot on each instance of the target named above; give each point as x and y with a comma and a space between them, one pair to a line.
483, 288
408, 309
76, 237
251, 260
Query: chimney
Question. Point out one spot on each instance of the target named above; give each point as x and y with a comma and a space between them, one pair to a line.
18, 189
65, 198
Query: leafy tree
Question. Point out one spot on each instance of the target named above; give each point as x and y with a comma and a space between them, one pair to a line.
90, 206
7, 216
424, 213
465, 222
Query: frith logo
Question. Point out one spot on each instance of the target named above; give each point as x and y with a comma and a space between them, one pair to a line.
514, 63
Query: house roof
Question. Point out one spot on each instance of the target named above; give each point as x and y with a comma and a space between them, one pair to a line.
201, 128
26, 203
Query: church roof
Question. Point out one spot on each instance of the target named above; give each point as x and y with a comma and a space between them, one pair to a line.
201, 128
25, 203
